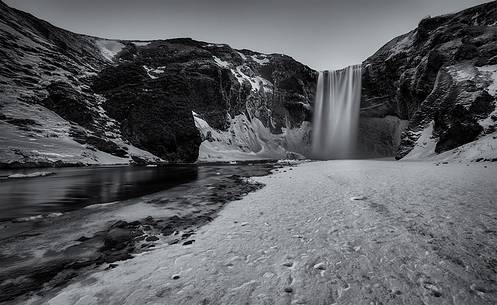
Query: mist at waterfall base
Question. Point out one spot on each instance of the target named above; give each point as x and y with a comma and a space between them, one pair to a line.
336, 114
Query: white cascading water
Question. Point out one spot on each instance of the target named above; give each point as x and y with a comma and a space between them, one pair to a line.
336, 113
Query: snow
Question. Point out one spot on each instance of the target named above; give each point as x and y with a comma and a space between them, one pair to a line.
491, 73
210, 45
141, 43
260, 59
221, 63
38, 217
488, 122
462, 72
425, 145
30, 175
249, 140
50, 141
258, 83
305, 242
483, 149
109, 48
242, 55
153, 72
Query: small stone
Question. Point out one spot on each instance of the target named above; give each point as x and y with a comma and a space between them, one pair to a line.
288, 264
434, 290
243, 224
151, 238
288, 289
477, 288
188, 242
83, 238
175, 276
320, 266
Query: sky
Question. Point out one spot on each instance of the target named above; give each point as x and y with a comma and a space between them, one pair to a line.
323, 34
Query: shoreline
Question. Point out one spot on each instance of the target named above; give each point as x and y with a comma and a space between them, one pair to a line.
344, 232
114, 240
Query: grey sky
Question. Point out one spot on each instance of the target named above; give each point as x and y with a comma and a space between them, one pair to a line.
322, 34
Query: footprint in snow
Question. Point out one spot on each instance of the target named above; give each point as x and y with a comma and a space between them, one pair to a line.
356, 198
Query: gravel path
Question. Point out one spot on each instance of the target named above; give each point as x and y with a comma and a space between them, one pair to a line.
336, 232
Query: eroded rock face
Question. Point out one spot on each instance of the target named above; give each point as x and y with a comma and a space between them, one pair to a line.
442, 72
154, 87
108, 101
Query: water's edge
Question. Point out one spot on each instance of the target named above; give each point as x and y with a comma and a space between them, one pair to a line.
112, 240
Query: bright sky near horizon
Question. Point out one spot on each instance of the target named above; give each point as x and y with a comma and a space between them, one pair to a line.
323, 34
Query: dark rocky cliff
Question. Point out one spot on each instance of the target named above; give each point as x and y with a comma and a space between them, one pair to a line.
441, 78
74, 99
69, 99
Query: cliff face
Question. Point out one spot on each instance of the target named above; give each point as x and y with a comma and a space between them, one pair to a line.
74, 99
442, 78
268, 95
69, 99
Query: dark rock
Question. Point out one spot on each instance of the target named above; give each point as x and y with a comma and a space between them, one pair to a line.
83, 238
20, 122
483, 104
152, 238
157, 119
118, 238
466, 51
150, 108
120, 224
149, 220
69, 104
188, 242
416, 77
456, 128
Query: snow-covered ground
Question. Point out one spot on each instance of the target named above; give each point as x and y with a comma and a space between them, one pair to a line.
30, 175
482, 149
335, 232
485, 146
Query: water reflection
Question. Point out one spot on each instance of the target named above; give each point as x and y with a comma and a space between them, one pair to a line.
73, 188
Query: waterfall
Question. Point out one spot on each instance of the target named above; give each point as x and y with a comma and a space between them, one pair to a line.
336, 113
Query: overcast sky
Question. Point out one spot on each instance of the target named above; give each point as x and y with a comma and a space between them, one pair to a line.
323, 34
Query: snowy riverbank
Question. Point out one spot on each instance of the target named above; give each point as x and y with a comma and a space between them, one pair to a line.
415, 233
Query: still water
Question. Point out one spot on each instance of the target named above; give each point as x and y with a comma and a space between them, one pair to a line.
73, 188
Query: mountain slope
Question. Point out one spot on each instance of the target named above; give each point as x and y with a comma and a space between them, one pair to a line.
441, 77
73, 99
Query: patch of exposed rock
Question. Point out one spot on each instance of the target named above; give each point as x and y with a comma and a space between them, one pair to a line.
443, 72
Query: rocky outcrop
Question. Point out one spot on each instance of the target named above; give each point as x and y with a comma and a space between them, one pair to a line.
155, 86
440, 76
106, 101
75, 99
